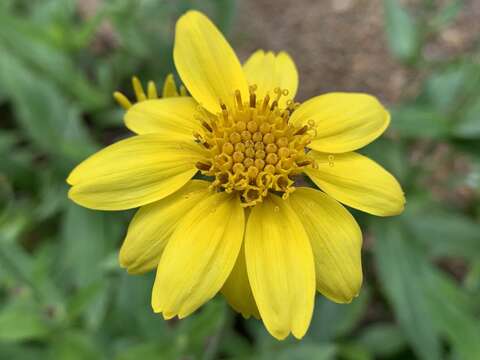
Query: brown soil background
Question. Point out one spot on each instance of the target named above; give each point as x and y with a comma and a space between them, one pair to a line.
340, 45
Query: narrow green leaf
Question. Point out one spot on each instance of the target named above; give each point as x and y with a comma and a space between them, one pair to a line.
402, 31
468, 125
417, 122
382, 339
21, 321
453, 314
399, 269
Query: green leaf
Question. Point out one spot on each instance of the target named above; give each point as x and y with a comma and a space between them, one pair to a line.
468, 125
399, 268
87, 239
403, 33
444, 232
28, 43
446, 90
21, 351
306, 351
44, 113
382, 339
416, 121
146, 351
454, 314
201, 333
22, 320
446, 14
75, 345
331, 320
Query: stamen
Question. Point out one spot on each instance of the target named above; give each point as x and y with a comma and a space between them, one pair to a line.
253, 98
206, 126
265, 102
302, 130
203, 166
238, 97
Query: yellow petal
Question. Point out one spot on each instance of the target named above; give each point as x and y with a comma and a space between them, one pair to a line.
359, 182
199, 256
153, 224
206, 63
280, 268
169, 87
336, 242
269, 71
172, 117
343, 121
134, 172
237, 289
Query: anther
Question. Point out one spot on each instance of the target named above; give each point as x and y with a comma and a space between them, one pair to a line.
203, 166
265, 102
238, 97
207, 126
224, 111
303, 163
253, 98
302, 130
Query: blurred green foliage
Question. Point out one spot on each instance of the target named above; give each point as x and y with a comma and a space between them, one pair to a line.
62, 294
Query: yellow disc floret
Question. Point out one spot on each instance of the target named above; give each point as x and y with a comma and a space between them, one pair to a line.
253, 147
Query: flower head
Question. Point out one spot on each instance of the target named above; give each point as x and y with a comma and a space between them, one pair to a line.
252, 231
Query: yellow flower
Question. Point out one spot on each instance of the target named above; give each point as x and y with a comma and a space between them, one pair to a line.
253, 231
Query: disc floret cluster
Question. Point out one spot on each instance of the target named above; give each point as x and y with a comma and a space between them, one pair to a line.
253, 147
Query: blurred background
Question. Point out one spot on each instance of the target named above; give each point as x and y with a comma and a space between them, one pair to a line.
62, 293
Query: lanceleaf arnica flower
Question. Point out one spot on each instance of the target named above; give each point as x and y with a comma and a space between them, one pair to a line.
253, 231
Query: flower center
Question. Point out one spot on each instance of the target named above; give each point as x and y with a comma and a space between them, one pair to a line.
253, 147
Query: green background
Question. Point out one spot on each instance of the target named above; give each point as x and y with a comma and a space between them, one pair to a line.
62, 293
